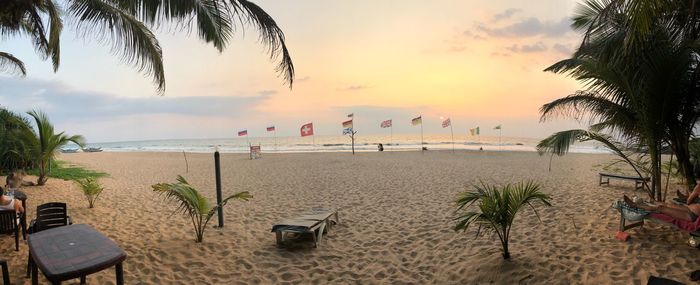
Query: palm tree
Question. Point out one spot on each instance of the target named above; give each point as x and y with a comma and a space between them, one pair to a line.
125, 24
498, 207
635, 94
46, 144
193, 204
639, 22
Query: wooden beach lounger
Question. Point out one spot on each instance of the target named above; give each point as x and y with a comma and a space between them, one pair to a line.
692, 228
638, 181
315, 222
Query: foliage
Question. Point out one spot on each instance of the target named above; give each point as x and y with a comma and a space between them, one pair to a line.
45, 143
641, 94
498, 207
91, 188
193, 204
126, 25
15, 135
66, 171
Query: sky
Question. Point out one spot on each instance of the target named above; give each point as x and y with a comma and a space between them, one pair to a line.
479, 62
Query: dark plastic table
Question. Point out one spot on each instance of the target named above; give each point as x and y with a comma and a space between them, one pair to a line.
73, 251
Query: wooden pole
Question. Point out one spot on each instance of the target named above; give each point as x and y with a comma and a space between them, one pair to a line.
421, 134
219, 196
453, 137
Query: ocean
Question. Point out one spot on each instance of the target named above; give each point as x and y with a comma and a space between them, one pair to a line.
363, 143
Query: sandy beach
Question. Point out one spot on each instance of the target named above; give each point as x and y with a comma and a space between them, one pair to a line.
396, 211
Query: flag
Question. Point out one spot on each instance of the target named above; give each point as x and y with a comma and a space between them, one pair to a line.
351, 115
474, 131
307, 130
446, 123
347, 124
271, 128
386, 124
417, 121
347, 131
497, 127
243, 133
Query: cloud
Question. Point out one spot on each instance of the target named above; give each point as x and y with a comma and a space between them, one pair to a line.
266, 92
506, 14
303, 79
62, 102
528, 27
355, 88
536, 47
565, 49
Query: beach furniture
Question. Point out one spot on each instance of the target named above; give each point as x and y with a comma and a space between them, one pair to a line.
10, 224
315, 222
638, 181
5, 272
48, 216
638, 220
73, 251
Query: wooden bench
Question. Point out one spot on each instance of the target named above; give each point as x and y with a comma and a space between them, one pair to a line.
638, 181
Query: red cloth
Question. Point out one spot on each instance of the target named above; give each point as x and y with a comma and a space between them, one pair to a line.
681, 224
307, 130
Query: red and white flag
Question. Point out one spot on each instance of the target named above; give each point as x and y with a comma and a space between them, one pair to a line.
243, 133
446, 123
386, 124
271, 128
307, 130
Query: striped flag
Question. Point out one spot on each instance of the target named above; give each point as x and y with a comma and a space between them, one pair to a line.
497, 127
446, 123
386, 124
417, 121
347, 124
243, 133
351, 115
271, 128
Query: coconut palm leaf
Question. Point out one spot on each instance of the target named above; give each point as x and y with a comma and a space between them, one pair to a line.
193, 204
130, 38
45, 143
11, 64
498, 207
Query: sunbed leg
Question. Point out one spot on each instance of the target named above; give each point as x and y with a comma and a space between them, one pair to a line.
622, 223
278, 236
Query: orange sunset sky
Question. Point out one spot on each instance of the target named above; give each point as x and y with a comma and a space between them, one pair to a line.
478, 62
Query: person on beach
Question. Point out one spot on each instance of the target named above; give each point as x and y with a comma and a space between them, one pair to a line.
9, 203
688, 212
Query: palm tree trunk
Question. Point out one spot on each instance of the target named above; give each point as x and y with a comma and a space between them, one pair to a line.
42, 174
680, 148
655, 154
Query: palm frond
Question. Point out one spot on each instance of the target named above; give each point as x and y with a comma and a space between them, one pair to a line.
130, 38
11, 64
271, 36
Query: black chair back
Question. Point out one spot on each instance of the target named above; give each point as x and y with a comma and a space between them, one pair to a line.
8, 222
51, 215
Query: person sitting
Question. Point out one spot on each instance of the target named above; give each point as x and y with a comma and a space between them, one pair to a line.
688, 212
7, 203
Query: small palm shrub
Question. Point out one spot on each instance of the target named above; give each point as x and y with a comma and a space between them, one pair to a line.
91, 188
194, 205
497, 208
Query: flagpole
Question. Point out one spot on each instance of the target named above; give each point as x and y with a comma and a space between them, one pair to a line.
421, 133
453, 137
391, 133
500, 134
274, 137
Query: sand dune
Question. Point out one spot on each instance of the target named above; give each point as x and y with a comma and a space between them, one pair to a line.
396, 213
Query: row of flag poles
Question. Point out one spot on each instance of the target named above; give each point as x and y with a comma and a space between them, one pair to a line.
348, 129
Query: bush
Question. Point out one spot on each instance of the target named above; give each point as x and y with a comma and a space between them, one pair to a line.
91, 188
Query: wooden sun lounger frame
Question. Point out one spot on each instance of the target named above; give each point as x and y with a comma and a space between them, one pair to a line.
638, 181
624, 226
323, 224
